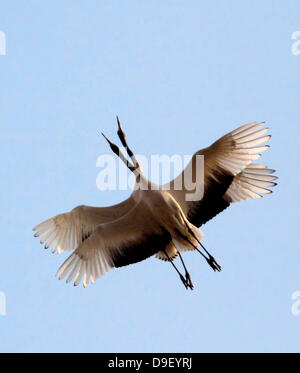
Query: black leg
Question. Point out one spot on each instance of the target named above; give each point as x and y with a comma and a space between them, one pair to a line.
187, 275
210, 260
184, 281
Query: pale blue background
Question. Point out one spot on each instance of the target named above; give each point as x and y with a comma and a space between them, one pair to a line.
179, 74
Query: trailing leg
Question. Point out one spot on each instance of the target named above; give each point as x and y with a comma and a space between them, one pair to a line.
187, 275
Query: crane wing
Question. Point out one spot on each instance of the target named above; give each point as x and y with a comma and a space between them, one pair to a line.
130, 239
228, 174
67, 231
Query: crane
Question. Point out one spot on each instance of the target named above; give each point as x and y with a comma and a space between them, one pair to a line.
160, 220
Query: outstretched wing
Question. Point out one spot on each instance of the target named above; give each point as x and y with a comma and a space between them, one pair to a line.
67, 231
228, 174
130, 239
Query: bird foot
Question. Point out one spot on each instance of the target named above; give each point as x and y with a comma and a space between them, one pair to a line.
189, 281
213, 263
186, 282
183, 280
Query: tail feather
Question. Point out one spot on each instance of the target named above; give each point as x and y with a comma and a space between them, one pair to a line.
252, 182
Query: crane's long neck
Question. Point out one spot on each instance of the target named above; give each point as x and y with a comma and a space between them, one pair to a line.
135, 165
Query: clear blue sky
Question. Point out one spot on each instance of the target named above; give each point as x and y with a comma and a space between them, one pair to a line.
179, 74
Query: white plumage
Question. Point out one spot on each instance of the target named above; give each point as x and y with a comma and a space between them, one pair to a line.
160, 222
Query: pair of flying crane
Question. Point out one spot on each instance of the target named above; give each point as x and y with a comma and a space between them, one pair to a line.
160, 221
